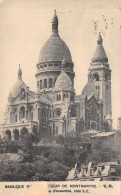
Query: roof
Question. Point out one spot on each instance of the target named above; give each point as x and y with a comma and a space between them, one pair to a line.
100, 52
55, 49
89, 89
104, 134
45, 99
18, 85
63, 82
15, 90
107, 163
91, 131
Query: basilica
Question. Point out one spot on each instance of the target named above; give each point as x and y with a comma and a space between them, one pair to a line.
54, 108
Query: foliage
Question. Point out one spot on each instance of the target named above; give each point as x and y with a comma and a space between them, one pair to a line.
45, 163
106, 126
60, 139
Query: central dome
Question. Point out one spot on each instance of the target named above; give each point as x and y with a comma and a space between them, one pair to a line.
55, 49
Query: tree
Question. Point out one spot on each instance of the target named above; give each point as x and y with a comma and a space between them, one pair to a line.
106, 126
60, 139
70, 139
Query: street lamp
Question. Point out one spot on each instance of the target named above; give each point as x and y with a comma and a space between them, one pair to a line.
64, 124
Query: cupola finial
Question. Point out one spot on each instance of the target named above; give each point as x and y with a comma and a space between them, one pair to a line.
100, 40
19, 73
55, 24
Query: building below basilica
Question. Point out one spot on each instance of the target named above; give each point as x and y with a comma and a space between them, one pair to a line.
54, 108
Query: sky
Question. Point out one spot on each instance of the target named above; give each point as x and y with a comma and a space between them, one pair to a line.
26, 25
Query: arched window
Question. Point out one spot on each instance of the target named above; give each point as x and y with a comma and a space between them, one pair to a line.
93, 114
59, 97
43, 116
58, 112
24, 132
8, 135
96, 77
64, 97
56, 130
40, 84
16, 134
22, 112
22, 94
50, 83
31, 116
45, 83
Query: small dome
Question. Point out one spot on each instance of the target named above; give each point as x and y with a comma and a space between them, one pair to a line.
15, 90
63, 82
55, 49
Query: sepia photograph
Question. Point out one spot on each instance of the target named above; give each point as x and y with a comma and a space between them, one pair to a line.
60, 84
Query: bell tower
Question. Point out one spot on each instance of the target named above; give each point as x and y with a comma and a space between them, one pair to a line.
101, 72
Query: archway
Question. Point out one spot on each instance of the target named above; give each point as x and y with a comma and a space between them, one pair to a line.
24, 133
50, 83
16, 134
22, 113
45, 83
8, 135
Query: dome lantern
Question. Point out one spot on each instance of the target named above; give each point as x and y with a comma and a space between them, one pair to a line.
55, 24
55, 49
19, 73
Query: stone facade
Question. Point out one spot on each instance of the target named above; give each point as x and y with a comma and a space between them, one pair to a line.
55, 108
101, 72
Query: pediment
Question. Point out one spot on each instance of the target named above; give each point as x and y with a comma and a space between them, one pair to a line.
24, 96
